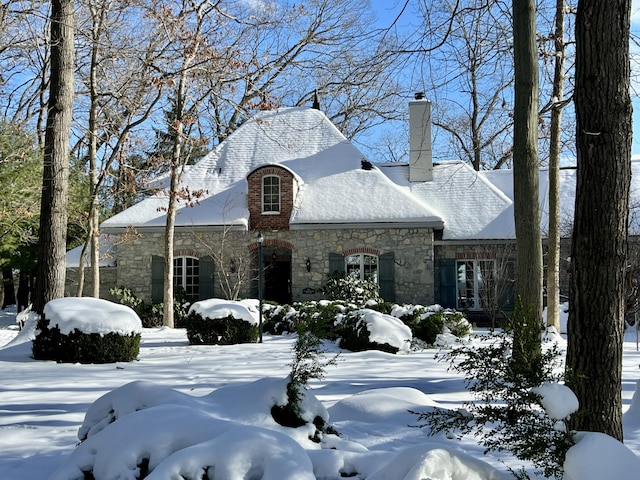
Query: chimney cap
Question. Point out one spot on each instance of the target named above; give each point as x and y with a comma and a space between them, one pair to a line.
419, 95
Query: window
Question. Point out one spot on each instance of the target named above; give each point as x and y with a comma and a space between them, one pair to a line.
271, 194
476, 288
362, 266
186, 274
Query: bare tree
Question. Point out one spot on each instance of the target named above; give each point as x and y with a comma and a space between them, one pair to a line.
121, 95
599, 242
53, 209
471, 80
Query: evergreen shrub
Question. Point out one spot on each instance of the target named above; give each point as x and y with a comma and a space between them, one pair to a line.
354, 335
219, 331
79, 347
151, 314
352, 290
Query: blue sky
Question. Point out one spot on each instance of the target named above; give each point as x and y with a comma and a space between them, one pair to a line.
387, 10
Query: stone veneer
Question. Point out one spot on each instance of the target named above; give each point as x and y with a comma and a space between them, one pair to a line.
412, 247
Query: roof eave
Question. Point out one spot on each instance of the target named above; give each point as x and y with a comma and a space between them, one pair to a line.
432, 224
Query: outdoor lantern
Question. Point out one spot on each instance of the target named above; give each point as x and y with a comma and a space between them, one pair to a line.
308, 264
260, 293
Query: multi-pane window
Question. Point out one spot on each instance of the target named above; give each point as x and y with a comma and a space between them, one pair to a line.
186, 274
476, 287
271, 193
362, 266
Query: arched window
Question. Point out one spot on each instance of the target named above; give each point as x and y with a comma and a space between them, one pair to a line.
362, 266
271, 194
186, 275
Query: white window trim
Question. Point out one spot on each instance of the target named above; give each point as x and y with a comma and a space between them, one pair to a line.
362, 257
271, 212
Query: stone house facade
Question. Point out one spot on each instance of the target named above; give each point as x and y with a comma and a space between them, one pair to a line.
425, 232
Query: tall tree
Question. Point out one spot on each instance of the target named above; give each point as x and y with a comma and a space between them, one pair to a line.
599, 242
528, 311
557, 101
51, 266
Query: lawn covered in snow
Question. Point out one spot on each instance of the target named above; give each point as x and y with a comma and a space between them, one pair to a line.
210, 407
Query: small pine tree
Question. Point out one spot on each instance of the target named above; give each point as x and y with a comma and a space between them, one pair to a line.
506, 415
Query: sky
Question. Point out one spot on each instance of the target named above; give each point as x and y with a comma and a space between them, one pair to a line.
388, 10
191, 407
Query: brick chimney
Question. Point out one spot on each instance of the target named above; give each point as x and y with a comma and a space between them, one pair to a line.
420, 161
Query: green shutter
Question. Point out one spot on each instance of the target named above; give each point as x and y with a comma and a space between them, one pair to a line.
447, 283
336, 264
157, 279
386, 276
205, 286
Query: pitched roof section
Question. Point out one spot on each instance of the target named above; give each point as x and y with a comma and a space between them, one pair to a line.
335, 190
471, 206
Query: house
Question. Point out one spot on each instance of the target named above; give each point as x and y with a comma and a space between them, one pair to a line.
425, 232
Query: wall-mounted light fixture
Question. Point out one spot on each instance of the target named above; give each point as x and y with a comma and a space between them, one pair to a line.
308, 264
274, 257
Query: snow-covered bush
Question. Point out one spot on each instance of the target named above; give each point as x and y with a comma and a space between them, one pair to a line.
224, 322
352, 290
87, 330
367, 329
428, 323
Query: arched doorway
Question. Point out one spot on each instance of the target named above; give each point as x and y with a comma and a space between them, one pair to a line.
276, 261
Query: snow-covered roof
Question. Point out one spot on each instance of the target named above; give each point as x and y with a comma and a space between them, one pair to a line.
107, 256
335, 190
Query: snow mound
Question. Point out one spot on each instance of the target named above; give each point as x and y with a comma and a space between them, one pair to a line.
129, 398
424, 462
596, 456
380, 404
91, 315
240, 453
148, 436
247, 310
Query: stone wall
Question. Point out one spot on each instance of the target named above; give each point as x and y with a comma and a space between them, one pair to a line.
413, 249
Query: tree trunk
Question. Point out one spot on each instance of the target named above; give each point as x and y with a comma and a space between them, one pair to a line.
9, 288
599, 243
50, 270
553, 255
23, 289
529, 272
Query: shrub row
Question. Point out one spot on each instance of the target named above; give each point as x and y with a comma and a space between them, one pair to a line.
335, 320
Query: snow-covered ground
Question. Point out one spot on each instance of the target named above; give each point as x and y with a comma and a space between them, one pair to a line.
220, 397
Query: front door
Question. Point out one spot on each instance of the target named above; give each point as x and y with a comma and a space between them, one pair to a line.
277, 275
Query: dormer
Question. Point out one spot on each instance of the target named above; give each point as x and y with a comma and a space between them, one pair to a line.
271, 194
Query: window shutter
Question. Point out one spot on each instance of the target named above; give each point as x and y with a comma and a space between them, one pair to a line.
205, 284
336, 264
448, 283
157, 279
387, 277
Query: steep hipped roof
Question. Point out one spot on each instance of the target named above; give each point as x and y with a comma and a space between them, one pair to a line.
335, 190
471, 206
